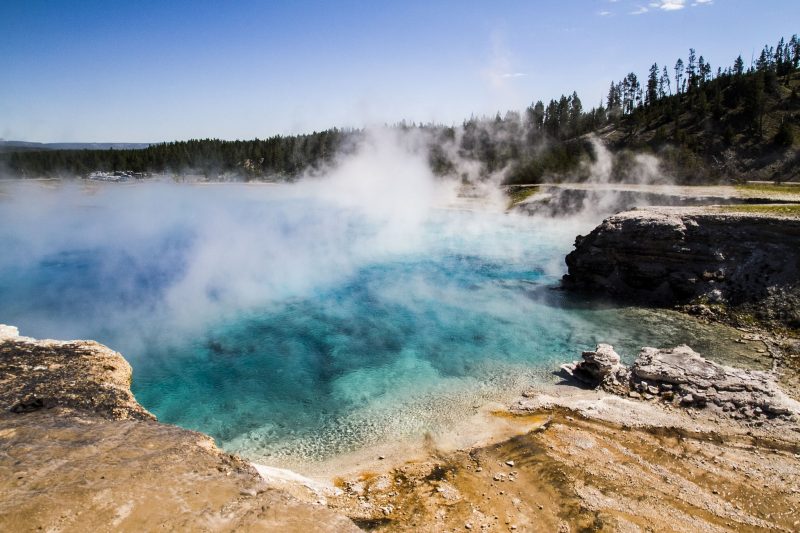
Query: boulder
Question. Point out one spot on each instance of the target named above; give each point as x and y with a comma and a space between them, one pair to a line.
599, 368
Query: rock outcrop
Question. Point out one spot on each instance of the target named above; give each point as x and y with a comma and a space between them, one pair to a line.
693, 256
77, 376
682, 377
600, 368
78, 453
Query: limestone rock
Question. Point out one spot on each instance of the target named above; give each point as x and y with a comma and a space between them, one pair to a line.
79, 376
682, 377
600, 368
8, 332
698, 382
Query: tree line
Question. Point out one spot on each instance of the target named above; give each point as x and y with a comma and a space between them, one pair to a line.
690, 106
278, 157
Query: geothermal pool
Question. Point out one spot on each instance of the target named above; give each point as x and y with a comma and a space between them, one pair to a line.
294, 325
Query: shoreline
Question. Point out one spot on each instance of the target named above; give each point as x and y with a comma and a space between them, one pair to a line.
560, 473
540, 463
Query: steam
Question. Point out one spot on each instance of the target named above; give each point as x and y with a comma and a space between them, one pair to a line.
158, 260
610, 183
600, 169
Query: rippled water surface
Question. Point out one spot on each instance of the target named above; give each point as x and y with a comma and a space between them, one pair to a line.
294, 327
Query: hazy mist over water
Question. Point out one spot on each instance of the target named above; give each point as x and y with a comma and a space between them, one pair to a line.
297, 322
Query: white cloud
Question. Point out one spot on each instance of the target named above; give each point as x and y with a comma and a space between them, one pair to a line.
669, 5
702, 3
604, 13
640, 10
513, 75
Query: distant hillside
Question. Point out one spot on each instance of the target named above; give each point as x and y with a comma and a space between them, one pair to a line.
15, 146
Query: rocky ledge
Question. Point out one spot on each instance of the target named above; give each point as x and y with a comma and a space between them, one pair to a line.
78, 453
76, 376
680, 376
713, 261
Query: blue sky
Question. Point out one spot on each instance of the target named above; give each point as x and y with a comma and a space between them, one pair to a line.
145, 71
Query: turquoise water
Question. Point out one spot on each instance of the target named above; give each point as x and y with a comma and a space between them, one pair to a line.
293, 328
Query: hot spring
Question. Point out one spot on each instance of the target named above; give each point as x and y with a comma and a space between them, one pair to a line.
294, 324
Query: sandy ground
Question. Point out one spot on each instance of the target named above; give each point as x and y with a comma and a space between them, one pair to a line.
587, 461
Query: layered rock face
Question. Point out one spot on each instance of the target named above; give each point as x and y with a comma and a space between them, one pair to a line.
78, 453
682, 377
668, 256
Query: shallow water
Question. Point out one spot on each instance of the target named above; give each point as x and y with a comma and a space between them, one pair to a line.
293, 327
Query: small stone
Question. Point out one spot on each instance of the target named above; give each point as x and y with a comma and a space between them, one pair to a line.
510, 463
467, 526
381, 457
635, 395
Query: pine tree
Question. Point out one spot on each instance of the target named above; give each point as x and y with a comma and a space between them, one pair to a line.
575, 114
738, 66
652, 86
678, 75
704, 71
794, 47
691, 70
664, 84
